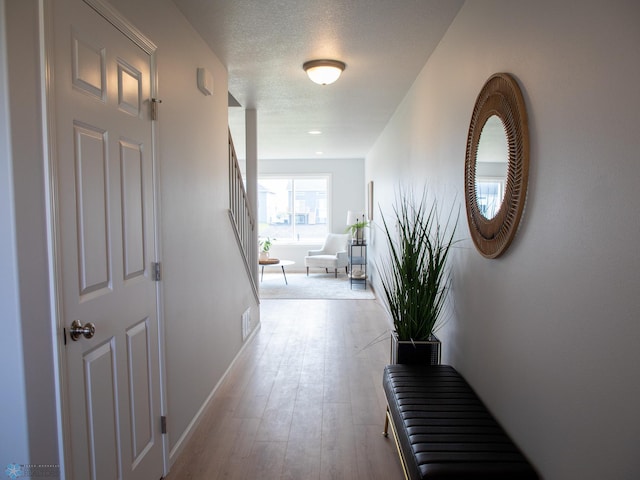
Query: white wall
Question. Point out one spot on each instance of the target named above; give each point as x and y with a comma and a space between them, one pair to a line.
548, 333
347, 193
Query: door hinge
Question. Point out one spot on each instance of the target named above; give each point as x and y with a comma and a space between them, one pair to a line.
156, 271
154, 108
163, 424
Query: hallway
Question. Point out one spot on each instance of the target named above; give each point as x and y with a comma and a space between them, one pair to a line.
303, 401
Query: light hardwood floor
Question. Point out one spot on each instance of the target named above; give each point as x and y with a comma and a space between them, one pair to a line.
304, 401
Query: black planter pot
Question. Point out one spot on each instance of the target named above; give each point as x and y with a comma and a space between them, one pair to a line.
425, 352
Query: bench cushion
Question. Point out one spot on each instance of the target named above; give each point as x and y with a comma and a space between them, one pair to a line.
444, 429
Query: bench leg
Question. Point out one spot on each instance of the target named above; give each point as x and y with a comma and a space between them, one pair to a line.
386, 424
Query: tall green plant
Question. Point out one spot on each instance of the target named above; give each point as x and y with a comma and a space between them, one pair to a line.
415, 277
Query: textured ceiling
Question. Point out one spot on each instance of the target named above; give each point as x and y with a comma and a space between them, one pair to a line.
263, 44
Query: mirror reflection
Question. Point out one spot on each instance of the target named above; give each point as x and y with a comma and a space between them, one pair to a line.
492, 163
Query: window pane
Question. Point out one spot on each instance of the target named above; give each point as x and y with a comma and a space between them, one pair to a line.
293, 209
311, 209
490, 194
275, 208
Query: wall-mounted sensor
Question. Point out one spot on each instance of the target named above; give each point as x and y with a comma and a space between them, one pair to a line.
205, 81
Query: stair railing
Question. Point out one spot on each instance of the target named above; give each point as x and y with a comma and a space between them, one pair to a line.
242, 219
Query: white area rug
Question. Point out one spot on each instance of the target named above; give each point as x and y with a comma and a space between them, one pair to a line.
316, 285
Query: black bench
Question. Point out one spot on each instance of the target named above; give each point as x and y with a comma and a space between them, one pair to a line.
443, 430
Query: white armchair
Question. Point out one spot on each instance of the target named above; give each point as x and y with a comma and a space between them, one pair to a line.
333, 254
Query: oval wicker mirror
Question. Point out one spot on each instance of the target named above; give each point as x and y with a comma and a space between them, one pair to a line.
500, 97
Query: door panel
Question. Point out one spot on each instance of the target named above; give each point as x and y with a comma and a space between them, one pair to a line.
88, 67
132, 208
140, 383
129, 88
91, 209
102, 417
105, 224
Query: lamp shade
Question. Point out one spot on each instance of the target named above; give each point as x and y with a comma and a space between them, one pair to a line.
354, 216
324, 72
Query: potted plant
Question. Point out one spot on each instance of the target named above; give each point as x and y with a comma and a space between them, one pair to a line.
357, 230
265, 246
415, 278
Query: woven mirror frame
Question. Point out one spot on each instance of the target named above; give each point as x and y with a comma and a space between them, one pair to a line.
500, 96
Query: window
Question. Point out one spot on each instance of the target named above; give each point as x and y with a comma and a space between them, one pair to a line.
293, 208
489, 194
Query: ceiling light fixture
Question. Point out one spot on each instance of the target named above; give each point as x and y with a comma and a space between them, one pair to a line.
324, 72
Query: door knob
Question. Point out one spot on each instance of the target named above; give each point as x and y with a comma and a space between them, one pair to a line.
88, 330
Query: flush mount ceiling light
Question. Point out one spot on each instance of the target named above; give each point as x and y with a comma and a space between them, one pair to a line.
324, 72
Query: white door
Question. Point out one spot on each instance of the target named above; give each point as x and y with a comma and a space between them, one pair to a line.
105, 228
